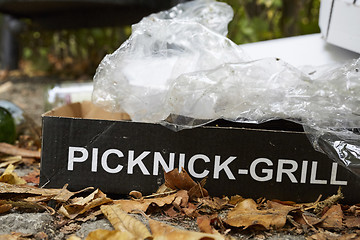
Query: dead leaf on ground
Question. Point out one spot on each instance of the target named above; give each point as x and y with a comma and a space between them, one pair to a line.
352, 221
166, 232
71, 228
79, 206
73, 237
236, 199
16, 151
124, 222
182, 181
332, 236
245, 214
101, 234
33, 177
9, 176
143, 204
307, 218
5, 207
60, 195
204, 225
28, 206
6, 161
178, 180
213, 203
333, 218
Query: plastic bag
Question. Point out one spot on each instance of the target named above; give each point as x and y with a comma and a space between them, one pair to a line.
136, 77
179, 69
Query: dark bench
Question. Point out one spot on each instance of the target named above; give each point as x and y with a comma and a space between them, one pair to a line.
67, 14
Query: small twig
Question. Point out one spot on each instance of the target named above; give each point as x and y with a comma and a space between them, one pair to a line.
160, 194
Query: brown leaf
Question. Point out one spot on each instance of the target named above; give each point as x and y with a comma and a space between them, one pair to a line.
190, 210
9, 176
203, 223
61, 195
246, 214
352, 221
136, 194
181, 200
36, 207
179, 180
125, 223
332, 236
170, 211
6, 161
198, 191
33, 177
101, 234
15, 151
143, 204
72, 227
306, 218
333, 218
165, 232
5, 207
9, 237
236, 199
73, 237
213, 203
81, 205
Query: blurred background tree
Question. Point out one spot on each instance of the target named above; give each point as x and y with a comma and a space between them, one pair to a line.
77, 53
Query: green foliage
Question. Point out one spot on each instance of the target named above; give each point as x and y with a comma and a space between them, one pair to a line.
260, 20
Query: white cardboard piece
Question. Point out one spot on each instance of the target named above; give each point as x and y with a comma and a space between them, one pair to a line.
339, 23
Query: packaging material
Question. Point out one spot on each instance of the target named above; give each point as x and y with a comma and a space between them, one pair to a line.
83, 145
179, 69
65, 93
337, 22
189, 37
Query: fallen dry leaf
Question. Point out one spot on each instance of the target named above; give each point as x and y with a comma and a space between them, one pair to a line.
213, 203
143, 204
178, 180
162, 231
101, 234
190, 210
5, 207
33, 177
71, 228
182, 181
73, 237
332, 236
60, 195
79, 206
16, 151
245, 214
352, 221
23, 205
333, 218
236, 199
125, 223
6, 161
9, 176
204, 225
306, 218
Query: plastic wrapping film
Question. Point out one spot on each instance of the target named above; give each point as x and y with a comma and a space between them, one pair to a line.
178, 68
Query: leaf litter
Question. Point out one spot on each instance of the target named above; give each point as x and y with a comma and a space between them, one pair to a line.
163, 214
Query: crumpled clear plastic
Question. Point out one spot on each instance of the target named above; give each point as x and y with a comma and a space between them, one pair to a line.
178, 69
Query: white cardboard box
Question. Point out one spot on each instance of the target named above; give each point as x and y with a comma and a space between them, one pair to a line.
339, 23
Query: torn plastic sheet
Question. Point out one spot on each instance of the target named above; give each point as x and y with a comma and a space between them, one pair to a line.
178, 69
